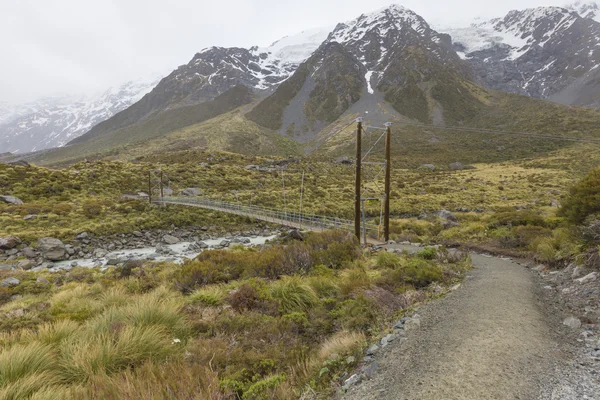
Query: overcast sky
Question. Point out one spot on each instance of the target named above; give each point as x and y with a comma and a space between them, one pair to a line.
52, 47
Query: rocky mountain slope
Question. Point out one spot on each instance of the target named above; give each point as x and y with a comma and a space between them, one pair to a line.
53, 122
391, 55
215, 70
545, 52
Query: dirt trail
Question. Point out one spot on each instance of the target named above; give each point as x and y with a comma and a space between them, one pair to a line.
490, 339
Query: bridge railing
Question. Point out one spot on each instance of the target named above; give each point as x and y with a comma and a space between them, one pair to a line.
293, 218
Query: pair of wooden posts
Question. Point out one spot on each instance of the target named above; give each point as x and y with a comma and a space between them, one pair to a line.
357, 199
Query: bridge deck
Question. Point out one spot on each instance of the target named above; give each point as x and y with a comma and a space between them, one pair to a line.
285, 218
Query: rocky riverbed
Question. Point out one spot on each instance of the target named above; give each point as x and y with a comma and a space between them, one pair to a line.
86, 250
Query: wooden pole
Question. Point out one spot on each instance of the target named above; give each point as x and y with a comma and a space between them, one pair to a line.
357, 188
388, 171
162, 193
150, 187
364, 222
301, 198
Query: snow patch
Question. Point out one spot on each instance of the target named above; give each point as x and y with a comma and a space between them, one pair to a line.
368, 76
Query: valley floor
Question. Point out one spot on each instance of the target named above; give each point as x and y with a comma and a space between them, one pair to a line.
493, 338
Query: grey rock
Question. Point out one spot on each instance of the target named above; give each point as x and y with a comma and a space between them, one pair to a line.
372, 350
191, 192
11, 200
370, 370
588, 278
224, 243
353, 380
99, 253
387, 339
52, 249
82, 235
429, 167
9, 242
29, 252
350, 360
169, 239
137, 234
26, 265
6, 267
42, 281
202, 245
296, 235
70, 250
10, 282
456, 166
572, 322
447, 215
29, 217
577, 271
74, 264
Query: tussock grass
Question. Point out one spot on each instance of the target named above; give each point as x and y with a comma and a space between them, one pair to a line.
55, 332
212, 296
294, 294
28, 385
343, 342
84, 357
21, 361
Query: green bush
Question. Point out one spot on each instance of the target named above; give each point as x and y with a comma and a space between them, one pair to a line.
428, 253
421, 274
583, 199
388, 260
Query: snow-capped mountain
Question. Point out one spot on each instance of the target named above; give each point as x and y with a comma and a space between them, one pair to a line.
53, 122
539, 52
214, 71
387, 62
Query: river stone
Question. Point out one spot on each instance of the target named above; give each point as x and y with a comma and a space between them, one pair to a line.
52, 249
29, 252
224, 243
6, 267
572, 322
137, 234
99, 253
11, 200
10, 282
202, 245
168, 239
26, 265
9, 242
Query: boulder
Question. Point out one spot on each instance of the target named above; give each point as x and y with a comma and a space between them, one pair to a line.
29, 217
168, 239
82, 235
191, 192
344, 160
100, 253
6, 267
427, 167
11, 200
52, 249
224, 243
137, 234
372, 350
412, 323
42, 281
447, 215
296, 234
26, 265
456, 166
9, 242
10, 282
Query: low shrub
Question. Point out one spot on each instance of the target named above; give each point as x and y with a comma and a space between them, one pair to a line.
388, 260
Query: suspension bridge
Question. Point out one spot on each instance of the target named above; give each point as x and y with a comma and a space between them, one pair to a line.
365, 230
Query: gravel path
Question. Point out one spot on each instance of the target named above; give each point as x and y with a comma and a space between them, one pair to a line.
493, 338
